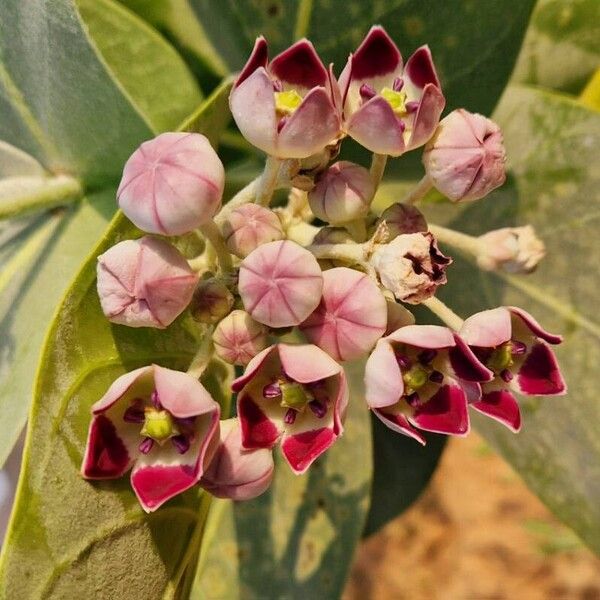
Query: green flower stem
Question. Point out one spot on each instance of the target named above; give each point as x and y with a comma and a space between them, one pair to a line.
268, 181
300, 232
244, 196
460, 241
378, 163
30, 194
419, 192
213, 234
443, 312
351, 253
203, 355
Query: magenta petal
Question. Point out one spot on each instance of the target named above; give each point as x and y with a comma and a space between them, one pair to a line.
540, 374
428, 116
313, 125
106, 455
502, 406
299, 65
466, 365
376, 56
258, 58
446, 412
258, 431
375, 126
534, 326
155, 484
399, 423
302, 449
420, 68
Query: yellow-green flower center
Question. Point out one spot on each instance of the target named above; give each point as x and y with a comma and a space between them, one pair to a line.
415, 378
287, 102
293, 395
158, 425
397, 100
501, 358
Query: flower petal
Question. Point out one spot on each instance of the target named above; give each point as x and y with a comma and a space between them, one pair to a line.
446, 412
307, 363
299, 65
466, 365
399, 423
420, 70
258, 58
534, 326
376, 56
427, 118
125, 386
301, 449
383, 379
540, 375
487, 329
502, 406
424, 336
258, 430
252, 367
313, 125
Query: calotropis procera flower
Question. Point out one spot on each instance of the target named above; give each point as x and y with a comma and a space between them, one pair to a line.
351, 316
280, 283
172, 184
238, 338
511, 343
403, 218
249, 226
163, 423
411, 266
297, 394
144, 283
512, 249
342, 193
390, 108
465, 159
286, 107
237, 473
422, 377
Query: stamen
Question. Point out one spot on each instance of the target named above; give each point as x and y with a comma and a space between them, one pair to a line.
398, 84
272, 390
320, 410
518, 347
436, 377
277, 85
367, 92
181, 443
134, 414
290, 416
506, 376
412, 106
146, 445
427, 356
403, 361
413, 399
155, 400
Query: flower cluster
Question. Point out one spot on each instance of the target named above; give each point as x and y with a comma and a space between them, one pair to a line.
323, 268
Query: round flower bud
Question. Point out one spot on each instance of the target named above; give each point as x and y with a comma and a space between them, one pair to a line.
403, 218
333, 235
249, 226
351, 316
144, 283
172, 184
280, 283
211, 301
513, 249
397, 316
238, 338
342, 193
465, 159
411, 266
235, 472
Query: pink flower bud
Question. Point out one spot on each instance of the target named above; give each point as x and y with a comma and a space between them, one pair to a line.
144, 283
513, 249
397, 316
172, 184
211, 301
235, 472
249, 226
351, 316
238, 338
342, 193
465, 157
333, 235
411, 266
403, 218
280, 283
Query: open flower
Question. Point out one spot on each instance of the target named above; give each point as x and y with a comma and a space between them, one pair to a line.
297, 394
286, 107
390, 108
421, 376
163, 423
512, 344
144, 283
237, 473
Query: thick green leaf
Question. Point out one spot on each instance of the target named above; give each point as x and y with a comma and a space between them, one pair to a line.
297, 539
552, 144
474, 47
562, 47
157, 80
401, 471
